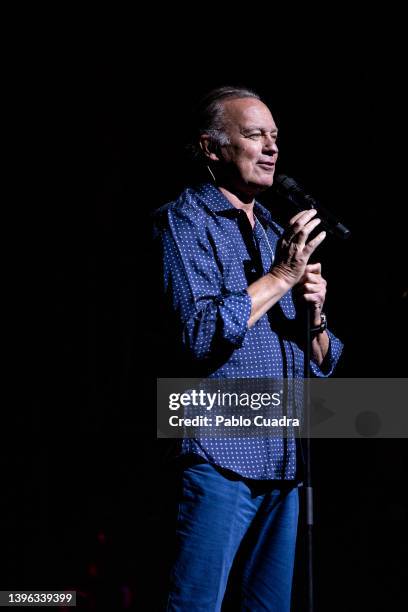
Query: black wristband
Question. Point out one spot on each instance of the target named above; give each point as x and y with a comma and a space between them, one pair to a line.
323, 325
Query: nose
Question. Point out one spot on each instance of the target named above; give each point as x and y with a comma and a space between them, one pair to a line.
269, 144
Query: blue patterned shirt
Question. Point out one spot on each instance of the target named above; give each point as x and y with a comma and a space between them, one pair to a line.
209, 255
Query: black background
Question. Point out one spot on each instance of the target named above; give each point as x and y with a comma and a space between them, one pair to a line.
82, 496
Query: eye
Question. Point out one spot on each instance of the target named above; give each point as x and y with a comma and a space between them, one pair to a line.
254, 135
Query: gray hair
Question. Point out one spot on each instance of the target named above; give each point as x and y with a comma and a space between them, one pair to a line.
209, 116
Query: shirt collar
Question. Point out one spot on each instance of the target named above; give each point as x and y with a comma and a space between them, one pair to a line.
218, 203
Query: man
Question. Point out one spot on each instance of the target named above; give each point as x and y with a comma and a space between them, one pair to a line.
228, 275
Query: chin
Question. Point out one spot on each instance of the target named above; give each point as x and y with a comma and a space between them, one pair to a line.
262, 185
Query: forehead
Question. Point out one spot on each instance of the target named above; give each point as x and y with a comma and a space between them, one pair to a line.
248, 112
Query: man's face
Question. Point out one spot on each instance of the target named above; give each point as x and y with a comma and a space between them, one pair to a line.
248, 162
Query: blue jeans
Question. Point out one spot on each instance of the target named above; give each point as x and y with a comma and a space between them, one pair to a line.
235, 544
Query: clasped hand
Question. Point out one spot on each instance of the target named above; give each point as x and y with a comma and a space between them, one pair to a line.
292, 257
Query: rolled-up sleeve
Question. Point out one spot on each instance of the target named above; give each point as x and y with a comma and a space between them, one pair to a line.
331, 359
209, 315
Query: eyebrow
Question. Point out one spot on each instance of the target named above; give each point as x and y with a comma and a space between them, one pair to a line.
255, 127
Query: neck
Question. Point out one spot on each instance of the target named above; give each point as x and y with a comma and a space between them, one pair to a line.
242, 201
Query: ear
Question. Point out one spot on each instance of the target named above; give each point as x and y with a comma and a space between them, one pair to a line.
209, 147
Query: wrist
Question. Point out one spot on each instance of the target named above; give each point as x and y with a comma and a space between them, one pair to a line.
317, 318
319, 324
280, 278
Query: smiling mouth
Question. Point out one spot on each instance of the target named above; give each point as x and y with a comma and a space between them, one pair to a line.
267, 165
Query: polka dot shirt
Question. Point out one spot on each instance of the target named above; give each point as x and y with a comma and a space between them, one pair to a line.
210, 254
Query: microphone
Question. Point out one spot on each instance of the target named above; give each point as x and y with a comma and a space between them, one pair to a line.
289, 189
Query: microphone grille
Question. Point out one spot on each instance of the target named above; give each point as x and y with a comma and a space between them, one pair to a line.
285, 181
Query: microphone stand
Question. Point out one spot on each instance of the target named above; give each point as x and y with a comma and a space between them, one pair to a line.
308, 468
288, 189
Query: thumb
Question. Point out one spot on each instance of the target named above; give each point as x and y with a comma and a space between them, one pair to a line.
315, 268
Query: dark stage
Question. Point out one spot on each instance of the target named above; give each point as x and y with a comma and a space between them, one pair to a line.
85, 496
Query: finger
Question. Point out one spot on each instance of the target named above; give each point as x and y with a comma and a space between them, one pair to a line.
314, 278
313, 244
304, 213
312, 288
315, 268
310, 277
312, 298
301, 223
301, 236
